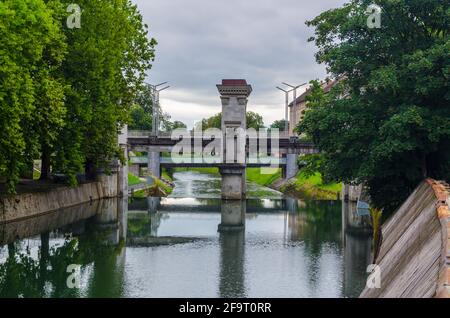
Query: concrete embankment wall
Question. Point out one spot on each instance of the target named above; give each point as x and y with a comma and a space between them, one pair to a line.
22, 206
414, 258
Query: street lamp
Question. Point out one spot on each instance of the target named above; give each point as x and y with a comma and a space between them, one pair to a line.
155, 90
286, 115
294, 88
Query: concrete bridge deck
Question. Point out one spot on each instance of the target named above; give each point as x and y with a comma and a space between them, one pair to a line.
199, 162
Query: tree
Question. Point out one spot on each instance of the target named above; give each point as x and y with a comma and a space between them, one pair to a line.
279, 124
105, 67
387, 123
31, 99
254, 120
171, 126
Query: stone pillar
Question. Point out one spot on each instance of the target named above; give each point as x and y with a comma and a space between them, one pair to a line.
291, 166
122, 178
233, 183
232, 215
234, 96
153, 165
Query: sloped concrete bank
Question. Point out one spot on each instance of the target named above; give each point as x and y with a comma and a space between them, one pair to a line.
414, 258
26, 205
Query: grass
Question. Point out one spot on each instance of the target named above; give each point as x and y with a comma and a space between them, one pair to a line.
264, 177
253, 174
312, 187
133, 180
158, 189
166, 176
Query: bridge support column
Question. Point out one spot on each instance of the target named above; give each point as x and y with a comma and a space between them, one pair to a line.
153, 165
233, 183
291, 166
232, 215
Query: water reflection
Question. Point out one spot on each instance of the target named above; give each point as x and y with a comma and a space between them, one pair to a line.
171, 247
232, 264
37, 266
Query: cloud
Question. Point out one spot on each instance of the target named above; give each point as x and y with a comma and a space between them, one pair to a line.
203, 41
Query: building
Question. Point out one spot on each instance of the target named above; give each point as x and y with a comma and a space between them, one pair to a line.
298, 107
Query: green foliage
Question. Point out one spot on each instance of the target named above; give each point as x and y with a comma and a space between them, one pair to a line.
387, 122
376, 216
133, 180
279, 124
255, 175
254, 120
106, 64
307, 185
140, 119
66, 93
31, 90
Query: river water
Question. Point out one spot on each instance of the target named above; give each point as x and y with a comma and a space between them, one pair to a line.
171, 247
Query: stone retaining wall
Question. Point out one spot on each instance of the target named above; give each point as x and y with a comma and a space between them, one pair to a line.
22, 206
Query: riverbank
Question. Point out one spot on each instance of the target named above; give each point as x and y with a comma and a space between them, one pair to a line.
301, 187
54, 197
138, 187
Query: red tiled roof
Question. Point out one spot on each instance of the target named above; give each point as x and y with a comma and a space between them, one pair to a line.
234, 82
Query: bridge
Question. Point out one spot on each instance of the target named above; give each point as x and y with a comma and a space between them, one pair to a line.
231, 149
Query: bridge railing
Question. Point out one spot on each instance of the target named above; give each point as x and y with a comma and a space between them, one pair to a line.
148, 133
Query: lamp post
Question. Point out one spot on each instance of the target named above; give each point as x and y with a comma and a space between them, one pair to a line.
286, 115
294, 89
155, 90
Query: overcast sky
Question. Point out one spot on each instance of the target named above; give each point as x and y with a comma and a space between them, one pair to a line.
201, 42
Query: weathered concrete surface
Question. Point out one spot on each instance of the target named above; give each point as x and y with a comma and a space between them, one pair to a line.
291, 166
233, 183
232, 215
414, 258
29, 227
22, 206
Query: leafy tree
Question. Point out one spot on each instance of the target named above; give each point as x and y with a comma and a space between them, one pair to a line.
387, 123
254, 120
170, 126
31, 106
140, 119
279, 124
105, 67
142, 113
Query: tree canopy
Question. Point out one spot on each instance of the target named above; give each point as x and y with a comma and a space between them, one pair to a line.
279, 124
387, 122
66, 92
254, 120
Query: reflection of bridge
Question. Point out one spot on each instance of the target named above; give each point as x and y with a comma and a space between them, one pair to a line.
231, 149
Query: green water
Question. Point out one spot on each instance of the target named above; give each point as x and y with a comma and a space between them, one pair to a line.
171, 247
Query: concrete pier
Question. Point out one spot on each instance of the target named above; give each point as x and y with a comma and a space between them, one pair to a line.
291, 166
234, 96
232, 215
233, 183
154, 165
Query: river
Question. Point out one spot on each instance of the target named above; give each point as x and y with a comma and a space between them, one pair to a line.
171, 247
